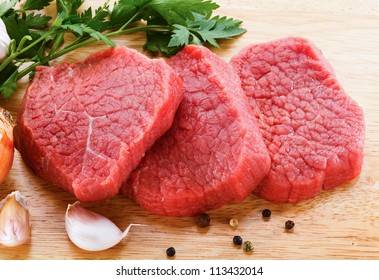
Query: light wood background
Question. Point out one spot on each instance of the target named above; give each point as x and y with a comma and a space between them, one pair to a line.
339, 224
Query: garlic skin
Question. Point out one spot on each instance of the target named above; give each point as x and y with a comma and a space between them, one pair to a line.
15, 224
91, 231
21, 67
4, 41
6, 144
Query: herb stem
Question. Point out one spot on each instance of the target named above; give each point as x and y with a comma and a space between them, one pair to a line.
18, 52
35, 40
73, 47
78, 45
130, 20
140, 28
56, 44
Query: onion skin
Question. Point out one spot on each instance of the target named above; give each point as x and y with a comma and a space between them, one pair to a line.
6, 144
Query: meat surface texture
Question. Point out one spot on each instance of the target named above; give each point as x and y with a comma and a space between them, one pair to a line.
85, 126
313, 130
213, 154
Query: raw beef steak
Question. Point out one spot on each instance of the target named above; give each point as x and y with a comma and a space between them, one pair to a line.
213, 154
313, 130
85, 126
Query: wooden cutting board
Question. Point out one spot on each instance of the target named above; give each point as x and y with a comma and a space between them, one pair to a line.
338, 224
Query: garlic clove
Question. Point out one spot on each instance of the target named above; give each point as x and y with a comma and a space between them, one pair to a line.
6, 144
91, 231
4, 41
15, 225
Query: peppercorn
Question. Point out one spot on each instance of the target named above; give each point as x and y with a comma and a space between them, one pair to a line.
248, 246
170, 251
203, 220
237, 240
233, 223
266, 213
289, 225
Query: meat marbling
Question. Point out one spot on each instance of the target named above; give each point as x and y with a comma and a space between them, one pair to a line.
213, 154
313, 130
85, 126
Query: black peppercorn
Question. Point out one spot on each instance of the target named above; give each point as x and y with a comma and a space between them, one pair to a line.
170, 251
203, 220
237, 240
266, 213
289, 225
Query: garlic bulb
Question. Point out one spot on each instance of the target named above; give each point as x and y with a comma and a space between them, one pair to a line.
4, 41
15, 226
91, 231
6, 144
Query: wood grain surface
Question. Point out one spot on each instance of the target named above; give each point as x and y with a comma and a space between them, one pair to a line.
338, 224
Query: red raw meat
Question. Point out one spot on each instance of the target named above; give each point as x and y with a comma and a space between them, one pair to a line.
85, 126
313, 130
213, 154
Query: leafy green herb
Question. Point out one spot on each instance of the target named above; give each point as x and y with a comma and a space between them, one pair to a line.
201, 29
36, 21
9, 86
35, 5
179, 11
181, 36
17, 28
169, 25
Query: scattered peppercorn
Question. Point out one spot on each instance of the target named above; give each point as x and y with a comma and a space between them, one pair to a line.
237, 240
233, 223
203, 220
289, 225
266, 213
248, 246
170, 251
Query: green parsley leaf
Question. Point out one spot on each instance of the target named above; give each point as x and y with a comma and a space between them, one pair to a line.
9, 86
124, 10
7, 72
98, 21
37, 21
70, 7
17, 29
98, 36
180, 36
35, 5
169, 25
215, 28
76, 28
58, 21
81, 29
178, 11
158, 42
202, 30
226, 27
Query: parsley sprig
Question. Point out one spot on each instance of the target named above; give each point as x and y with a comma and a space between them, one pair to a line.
169, 25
